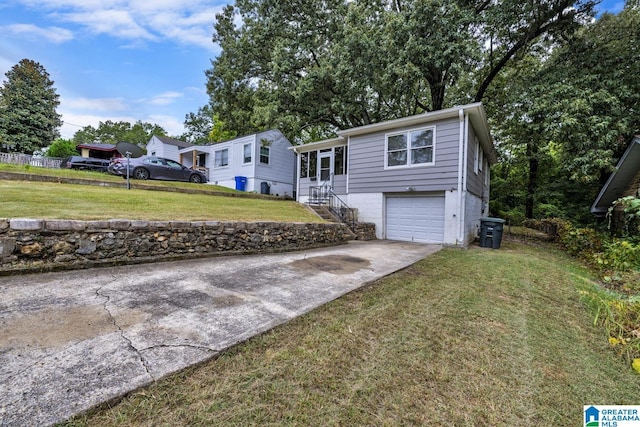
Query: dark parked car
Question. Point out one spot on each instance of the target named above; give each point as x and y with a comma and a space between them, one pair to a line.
85, 163
151, 167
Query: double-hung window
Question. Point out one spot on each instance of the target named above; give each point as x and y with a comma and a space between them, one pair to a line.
221, 158
264, 155
410, 148
247, 153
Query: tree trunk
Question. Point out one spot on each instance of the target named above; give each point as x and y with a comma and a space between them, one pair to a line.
532, 182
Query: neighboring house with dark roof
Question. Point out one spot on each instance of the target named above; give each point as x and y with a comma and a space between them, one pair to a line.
99, 151
163, 146
624, 180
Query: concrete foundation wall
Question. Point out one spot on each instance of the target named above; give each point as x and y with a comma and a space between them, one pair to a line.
48, 245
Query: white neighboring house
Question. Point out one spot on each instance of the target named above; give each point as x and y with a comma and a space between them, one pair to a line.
163, 146
423, 178
262, 160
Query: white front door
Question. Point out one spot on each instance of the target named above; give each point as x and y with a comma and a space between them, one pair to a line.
325, 169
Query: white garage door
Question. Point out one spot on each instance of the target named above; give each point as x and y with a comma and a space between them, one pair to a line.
415, 219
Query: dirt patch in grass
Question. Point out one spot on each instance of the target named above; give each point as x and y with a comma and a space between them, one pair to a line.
464, 338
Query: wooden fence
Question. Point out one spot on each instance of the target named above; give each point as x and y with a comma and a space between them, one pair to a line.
25, 159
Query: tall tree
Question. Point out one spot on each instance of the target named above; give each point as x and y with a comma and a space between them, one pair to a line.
198, 126
562, 120
28, 102
109, 132
305, 64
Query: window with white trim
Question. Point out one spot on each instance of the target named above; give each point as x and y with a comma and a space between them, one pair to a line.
264, 155
410, 148
308, 164
247, 153
221, 158
476, 158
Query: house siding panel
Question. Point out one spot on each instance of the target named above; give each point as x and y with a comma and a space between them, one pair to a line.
475, 181
367, 156
280, 171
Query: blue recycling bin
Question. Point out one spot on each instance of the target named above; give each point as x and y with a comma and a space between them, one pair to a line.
241, 183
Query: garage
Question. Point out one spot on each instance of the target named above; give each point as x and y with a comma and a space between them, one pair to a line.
415, 218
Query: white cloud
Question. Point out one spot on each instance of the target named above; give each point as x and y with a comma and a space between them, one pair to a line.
32, 32
97, 104
73, 122
117, 23
166, 98
188, 23
170, 124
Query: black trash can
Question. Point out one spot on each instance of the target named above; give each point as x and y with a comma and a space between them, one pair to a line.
491, 230
265, 188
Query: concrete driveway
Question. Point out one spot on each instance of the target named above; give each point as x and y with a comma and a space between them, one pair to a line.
72, 340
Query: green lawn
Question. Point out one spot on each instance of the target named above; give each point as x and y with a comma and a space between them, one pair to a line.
20, 199
472, 337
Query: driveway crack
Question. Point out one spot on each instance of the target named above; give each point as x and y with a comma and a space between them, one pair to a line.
107, 300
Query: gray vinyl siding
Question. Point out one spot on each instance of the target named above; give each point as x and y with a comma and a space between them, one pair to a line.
475, 181
282, 161
339, 184
367, 157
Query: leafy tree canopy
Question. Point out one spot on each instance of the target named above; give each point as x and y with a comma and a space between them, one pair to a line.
110, 132
198, 126
562, 120
28, 102
309, 67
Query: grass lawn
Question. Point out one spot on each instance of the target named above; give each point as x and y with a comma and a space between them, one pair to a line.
472, 337
23, 199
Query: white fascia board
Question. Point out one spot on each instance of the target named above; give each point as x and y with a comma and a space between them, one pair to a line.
319, 145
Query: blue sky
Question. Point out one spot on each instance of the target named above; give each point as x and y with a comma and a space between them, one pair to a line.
118, 60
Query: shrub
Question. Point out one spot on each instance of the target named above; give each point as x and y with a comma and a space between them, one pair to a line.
620, 317
630, 221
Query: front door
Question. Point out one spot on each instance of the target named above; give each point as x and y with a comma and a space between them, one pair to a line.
324, 169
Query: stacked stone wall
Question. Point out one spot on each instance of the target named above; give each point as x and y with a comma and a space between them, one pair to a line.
47, 245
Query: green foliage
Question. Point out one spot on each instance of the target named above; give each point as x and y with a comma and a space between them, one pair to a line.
620, 317
28, 102
198, 126
62, 148
303, 64
617, 261
110, 132
631, 214
219, 132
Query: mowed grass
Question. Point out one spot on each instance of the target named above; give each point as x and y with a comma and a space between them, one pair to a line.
21, 199
473, 337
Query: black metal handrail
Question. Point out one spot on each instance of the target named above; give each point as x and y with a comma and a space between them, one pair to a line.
325, 196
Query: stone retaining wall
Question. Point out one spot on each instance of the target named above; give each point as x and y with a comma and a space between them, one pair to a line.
46, 245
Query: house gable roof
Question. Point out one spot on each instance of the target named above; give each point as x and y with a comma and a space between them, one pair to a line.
98, 147
626, 169
171, 141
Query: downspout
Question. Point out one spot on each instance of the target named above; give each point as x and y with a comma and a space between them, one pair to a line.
461, 148
348, 166
465, 181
